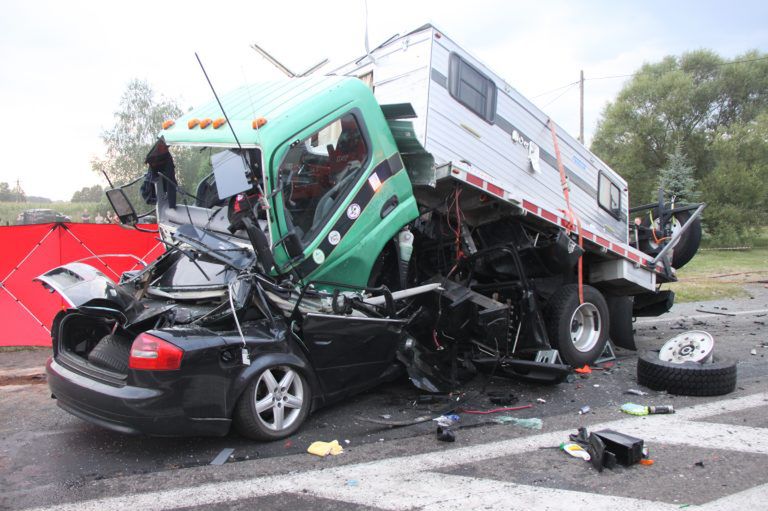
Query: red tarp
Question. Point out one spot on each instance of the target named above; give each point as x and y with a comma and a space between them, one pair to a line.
27, 251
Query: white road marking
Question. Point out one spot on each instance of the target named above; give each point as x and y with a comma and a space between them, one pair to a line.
713, 315
406, 482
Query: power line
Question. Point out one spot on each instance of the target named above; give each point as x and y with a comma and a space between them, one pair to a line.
560, 95
635, 74
554, 90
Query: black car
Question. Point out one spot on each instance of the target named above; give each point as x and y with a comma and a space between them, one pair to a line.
191, 344
41, 216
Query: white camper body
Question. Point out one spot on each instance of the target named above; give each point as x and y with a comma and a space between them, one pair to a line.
483, 132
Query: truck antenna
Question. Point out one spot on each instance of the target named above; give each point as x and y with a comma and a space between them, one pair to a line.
231, 128
220, 105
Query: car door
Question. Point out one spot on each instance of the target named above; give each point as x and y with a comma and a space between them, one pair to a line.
350, 352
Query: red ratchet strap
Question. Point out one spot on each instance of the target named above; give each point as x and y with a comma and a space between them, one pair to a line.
573, 219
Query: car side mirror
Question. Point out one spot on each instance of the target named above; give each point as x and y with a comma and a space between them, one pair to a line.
122, 206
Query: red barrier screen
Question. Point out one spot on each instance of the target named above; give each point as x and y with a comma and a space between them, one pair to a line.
27, 251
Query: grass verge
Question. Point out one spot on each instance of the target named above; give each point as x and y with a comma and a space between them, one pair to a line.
721, 274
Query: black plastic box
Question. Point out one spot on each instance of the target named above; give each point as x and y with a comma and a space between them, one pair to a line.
628, 449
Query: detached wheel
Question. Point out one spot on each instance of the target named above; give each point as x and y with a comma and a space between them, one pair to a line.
686, 246
274, 405
578, 331
689, 378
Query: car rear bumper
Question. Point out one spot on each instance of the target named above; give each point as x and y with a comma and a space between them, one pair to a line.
126, 409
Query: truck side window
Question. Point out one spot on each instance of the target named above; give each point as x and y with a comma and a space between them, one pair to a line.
471, 88
321, 170
609, 196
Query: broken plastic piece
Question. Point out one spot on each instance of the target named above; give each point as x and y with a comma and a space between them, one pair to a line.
446, 421
646, 462
584, 409
636, 392
583, 370
634, 409
532, 423
628, 449
541, 400
576, 451
445, 434
223, 456
323, 449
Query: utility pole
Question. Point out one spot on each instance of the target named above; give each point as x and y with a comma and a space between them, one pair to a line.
581, 107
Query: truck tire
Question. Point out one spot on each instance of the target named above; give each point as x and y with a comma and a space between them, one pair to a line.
578, 331
689, 378
686, 247
689, 243
112, 352
622, 331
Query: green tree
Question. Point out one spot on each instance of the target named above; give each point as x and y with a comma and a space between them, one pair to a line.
679, 101
88, 194
137, 123
677, 178
737, 188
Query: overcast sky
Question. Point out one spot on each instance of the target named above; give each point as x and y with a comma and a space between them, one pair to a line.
64, 65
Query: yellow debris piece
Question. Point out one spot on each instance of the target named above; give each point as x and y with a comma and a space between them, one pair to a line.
323, 449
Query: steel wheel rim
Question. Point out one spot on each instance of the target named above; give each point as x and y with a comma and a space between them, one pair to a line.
585, 327
279, 398
692, 346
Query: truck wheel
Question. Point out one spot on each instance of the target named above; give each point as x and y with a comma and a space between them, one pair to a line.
112, 352
685, 248
689, 378
621, 331
578, 331
274, 405
689, 243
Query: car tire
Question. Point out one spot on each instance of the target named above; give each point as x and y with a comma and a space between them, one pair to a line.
112, 353
687, 379
274, 404
578, 331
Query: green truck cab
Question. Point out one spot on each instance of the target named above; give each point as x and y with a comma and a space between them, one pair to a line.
327, 161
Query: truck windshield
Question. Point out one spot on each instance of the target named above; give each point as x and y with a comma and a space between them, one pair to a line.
321, 169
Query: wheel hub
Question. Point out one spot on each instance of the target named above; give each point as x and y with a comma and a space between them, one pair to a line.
585, 327
692, 346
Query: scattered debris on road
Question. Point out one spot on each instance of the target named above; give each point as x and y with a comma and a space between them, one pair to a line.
223, 456
323, 449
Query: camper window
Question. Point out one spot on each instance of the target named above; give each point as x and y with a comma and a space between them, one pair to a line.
609, 196
471, 88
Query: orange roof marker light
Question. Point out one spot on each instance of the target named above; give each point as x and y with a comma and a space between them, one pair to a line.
192, 123
258, 123
219, 122
205, 123
167, 124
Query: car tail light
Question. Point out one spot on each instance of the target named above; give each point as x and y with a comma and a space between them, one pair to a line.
154, 354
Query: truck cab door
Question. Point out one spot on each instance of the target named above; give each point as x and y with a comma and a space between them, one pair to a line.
333, 209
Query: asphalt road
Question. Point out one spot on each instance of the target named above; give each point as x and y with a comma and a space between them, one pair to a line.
712, 451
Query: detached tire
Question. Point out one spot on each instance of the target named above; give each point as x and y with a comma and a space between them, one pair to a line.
274, 405
688, 379
689, 242
578, 331
687, 245
112, 352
